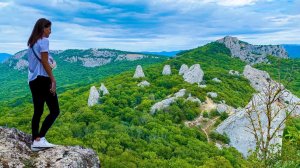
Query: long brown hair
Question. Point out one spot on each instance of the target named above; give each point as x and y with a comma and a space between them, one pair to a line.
38, 31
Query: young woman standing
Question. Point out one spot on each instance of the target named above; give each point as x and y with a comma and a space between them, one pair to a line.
41, 82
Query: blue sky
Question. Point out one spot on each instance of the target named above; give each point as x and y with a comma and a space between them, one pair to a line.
153, 25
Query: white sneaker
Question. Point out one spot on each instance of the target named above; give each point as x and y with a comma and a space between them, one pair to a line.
42, 143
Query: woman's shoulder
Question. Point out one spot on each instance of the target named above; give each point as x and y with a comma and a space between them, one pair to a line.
43, 40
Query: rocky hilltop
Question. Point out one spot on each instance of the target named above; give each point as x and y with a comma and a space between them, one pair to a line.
87, 58
15, 152
252, 54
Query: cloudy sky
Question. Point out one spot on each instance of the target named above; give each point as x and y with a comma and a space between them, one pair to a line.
149, 25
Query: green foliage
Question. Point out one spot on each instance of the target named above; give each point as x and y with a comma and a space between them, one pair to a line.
120, 128
219, 137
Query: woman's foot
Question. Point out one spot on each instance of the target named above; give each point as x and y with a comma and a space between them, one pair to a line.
42, 143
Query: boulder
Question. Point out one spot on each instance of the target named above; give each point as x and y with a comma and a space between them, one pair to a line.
167, 102
221, 108
212, 94
93, 97
194, 74
217, 80
139, 72
183, 69
15, 152
166, 70
144, 83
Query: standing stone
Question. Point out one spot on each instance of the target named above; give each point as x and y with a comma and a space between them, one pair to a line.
94, 96
103, 90
166, 70
194, 74
139, 72
183, 69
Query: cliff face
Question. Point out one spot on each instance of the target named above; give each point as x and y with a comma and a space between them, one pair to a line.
252, 54
15, 152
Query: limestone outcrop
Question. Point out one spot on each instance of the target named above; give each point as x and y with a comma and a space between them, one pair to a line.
139, 72
237, 125
252, 53
93, 97
194, 74
167, 70
183, 69
15, 152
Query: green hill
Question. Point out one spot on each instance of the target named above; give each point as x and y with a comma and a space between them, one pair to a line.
69, 75
123, 132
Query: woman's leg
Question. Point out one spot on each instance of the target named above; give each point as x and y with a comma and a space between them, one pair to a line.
52, 103
38, 103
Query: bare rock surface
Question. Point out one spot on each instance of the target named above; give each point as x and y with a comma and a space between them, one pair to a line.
15, 152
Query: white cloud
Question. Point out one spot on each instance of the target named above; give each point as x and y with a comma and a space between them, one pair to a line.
4, 4
234, 2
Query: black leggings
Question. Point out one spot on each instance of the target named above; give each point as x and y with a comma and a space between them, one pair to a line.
40, 90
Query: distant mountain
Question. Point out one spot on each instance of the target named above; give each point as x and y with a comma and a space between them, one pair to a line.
293, 50
252, 54
163, 53
4, 56
88, 58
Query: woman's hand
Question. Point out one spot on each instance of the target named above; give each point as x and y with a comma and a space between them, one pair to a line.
53, 87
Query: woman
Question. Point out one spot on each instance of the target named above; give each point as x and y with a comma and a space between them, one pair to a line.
41, 82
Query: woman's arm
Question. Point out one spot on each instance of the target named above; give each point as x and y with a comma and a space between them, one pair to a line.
48, 69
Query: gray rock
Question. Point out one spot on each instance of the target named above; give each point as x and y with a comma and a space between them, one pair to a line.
257, 78
252, 53
167, 102
180, 93
212, 94
130, 57
93, 97
221, 108
139, 72
15, 152
236, 126
194, 74
166, 70
194, 99
183, 69
94, 62
103, 90
217, 80
144, 83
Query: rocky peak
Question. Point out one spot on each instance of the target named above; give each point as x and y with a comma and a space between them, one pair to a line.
15, 152
252, 54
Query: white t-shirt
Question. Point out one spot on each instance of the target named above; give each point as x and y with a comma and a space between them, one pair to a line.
35, 67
